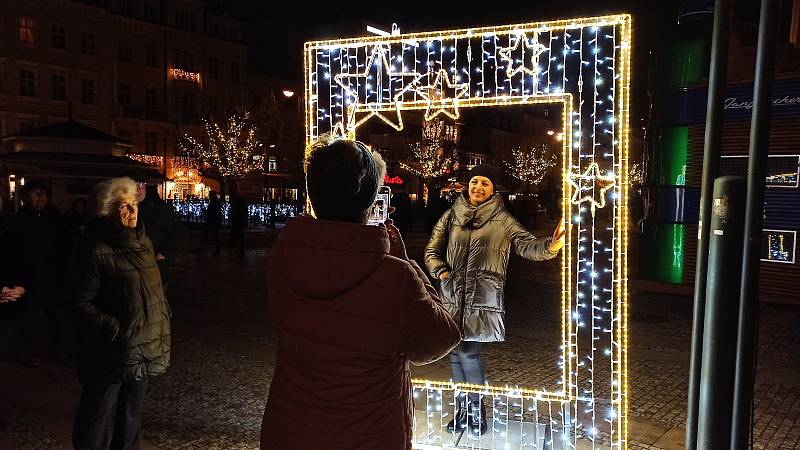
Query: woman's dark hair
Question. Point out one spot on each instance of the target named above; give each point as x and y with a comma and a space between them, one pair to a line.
342, 178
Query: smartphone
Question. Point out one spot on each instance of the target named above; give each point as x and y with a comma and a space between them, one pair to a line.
379, 212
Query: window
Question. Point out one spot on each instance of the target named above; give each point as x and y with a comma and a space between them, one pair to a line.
125, 134
272, 164
185, 105
27, 83
212, 105
184, 60
87, 43
124, 94
213, 28
184, 20
151, 97
235, 72
25, 125
87, 91
27, 30
59, 87
234, 33
213, 67
58, 35
150, 143
124, 50
151, 55
150, 12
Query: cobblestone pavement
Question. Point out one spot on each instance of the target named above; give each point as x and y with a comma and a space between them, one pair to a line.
223, 360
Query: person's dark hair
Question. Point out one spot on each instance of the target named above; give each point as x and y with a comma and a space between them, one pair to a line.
79, 201
27, 189
342, 178
151, 192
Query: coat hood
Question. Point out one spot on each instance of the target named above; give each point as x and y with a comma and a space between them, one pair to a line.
323, 259
466, 214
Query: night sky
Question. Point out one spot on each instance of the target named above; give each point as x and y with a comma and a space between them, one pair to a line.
280, 24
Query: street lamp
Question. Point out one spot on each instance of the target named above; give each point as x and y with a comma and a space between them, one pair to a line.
288, 93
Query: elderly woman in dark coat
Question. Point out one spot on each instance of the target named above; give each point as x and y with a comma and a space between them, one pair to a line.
468, 252
122, 319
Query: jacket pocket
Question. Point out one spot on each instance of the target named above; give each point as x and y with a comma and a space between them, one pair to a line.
488, 291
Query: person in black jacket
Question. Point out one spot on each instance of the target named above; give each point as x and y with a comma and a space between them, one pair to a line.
10, 295
162, 227
122, 319
38, 239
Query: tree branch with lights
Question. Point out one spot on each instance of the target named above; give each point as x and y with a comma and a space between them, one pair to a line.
531, 164
428, 159
230, 147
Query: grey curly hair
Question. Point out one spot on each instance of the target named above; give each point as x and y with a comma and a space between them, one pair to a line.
109, 192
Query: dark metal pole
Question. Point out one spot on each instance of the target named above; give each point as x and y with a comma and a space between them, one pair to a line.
716, 86
756, 172
719, 356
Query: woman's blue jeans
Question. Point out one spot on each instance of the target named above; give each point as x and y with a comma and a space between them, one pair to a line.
466, 365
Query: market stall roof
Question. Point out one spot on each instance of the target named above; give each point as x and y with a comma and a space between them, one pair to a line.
69, 130
70, 165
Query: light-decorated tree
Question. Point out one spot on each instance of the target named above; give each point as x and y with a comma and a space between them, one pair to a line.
531, 164
229, 147
428, 159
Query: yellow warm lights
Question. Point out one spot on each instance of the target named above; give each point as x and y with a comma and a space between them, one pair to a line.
582, 64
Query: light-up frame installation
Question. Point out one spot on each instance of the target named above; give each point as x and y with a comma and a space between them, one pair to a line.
583, 63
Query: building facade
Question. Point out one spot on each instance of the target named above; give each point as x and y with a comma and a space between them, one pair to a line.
142, 70
678, 90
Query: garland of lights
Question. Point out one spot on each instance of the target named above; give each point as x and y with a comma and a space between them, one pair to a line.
583, 64
231, 148
150, 160
636, 174
531, 164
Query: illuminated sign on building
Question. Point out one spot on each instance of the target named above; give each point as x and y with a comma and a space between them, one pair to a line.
393, 180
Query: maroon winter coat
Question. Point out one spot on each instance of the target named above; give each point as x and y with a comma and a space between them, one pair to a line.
349, 318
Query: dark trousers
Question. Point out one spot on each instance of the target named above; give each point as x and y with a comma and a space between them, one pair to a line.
109, 413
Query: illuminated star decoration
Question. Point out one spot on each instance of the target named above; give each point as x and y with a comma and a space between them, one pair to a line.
377, 67
436, 94
598, 185
536, 49
339, 131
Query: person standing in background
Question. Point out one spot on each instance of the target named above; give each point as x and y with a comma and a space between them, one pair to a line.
161, 226
38, 237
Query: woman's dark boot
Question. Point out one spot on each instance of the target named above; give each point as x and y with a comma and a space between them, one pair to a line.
459, 421
476, 419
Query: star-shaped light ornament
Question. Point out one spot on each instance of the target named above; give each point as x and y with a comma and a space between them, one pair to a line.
338, 130
441, 95
376, 71
590, 186
533, 46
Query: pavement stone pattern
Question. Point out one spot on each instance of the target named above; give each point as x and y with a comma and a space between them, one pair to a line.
213, 396
23, 433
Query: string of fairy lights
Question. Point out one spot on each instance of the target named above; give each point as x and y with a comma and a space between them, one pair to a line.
582, 64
